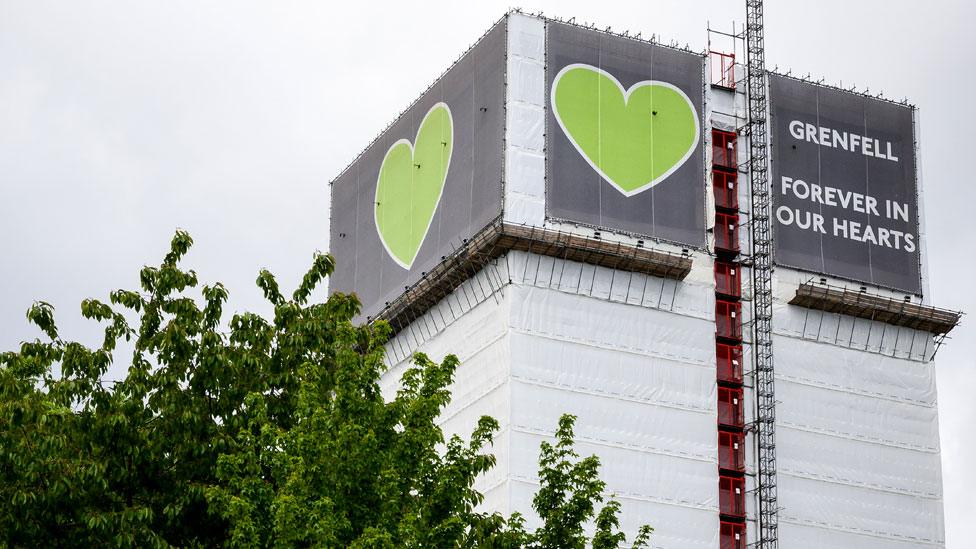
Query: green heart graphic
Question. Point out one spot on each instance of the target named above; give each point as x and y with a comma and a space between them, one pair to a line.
633, 138
410, 185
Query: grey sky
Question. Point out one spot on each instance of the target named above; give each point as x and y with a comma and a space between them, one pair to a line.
120, 121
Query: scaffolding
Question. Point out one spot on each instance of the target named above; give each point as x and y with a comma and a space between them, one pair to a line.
888, 310
762, 303
497, 238
889, 326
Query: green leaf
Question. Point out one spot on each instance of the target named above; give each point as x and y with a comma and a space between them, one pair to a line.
252, 431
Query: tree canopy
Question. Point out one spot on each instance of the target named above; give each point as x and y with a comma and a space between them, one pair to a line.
261, 432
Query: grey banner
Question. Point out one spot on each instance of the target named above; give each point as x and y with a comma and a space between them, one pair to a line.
844, 188
625, 175
373, 257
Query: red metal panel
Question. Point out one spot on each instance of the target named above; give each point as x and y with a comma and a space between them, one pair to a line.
725, 189
731, 451
722, 69
732, 535
728, 318
731, 412
727, 232
724, 149
728, 362
732, 496
728, 277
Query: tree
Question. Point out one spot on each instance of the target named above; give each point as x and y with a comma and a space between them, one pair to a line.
569, 489
269, 432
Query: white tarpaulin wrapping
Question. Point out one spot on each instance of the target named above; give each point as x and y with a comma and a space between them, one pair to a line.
641, 381
691, 297
479, 339
497, 496
470, 333
857, 417
867, 374
857, 463
462, 303
675, 527
854, 333
613, 325
858, 510
630, 473
525, 169
525, 130
800, 536
857, 443
552, 361
529, 133
858, 431
620, 423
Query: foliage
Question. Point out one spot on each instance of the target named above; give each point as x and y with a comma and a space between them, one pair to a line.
569, 490
270, 432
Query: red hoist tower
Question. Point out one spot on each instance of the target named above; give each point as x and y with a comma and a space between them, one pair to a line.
762, 303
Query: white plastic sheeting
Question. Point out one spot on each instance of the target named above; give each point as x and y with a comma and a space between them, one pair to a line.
857, 431
923, 252
853, 333
857, 447
470, 294
862, 373
803, 536
479, 338
869, 513
629, 470
561, 361
690, 297
640, 424
525, 130
641, 382
678, 523
858, 463
639, 377
606, 324
857, 417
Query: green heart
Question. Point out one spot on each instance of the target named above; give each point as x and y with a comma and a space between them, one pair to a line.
633, 138
410, 185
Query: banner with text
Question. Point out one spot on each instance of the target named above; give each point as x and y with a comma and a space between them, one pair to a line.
844, 188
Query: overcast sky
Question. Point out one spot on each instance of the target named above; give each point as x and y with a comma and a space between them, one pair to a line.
121, 121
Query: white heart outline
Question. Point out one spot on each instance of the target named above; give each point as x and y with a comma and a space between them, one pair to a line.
626, 93
376, 222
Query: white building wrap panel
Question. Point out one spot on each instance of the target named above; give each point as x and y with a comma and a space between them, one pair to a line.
857, 430
857, 446
479, 338
640, 380
525, 184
